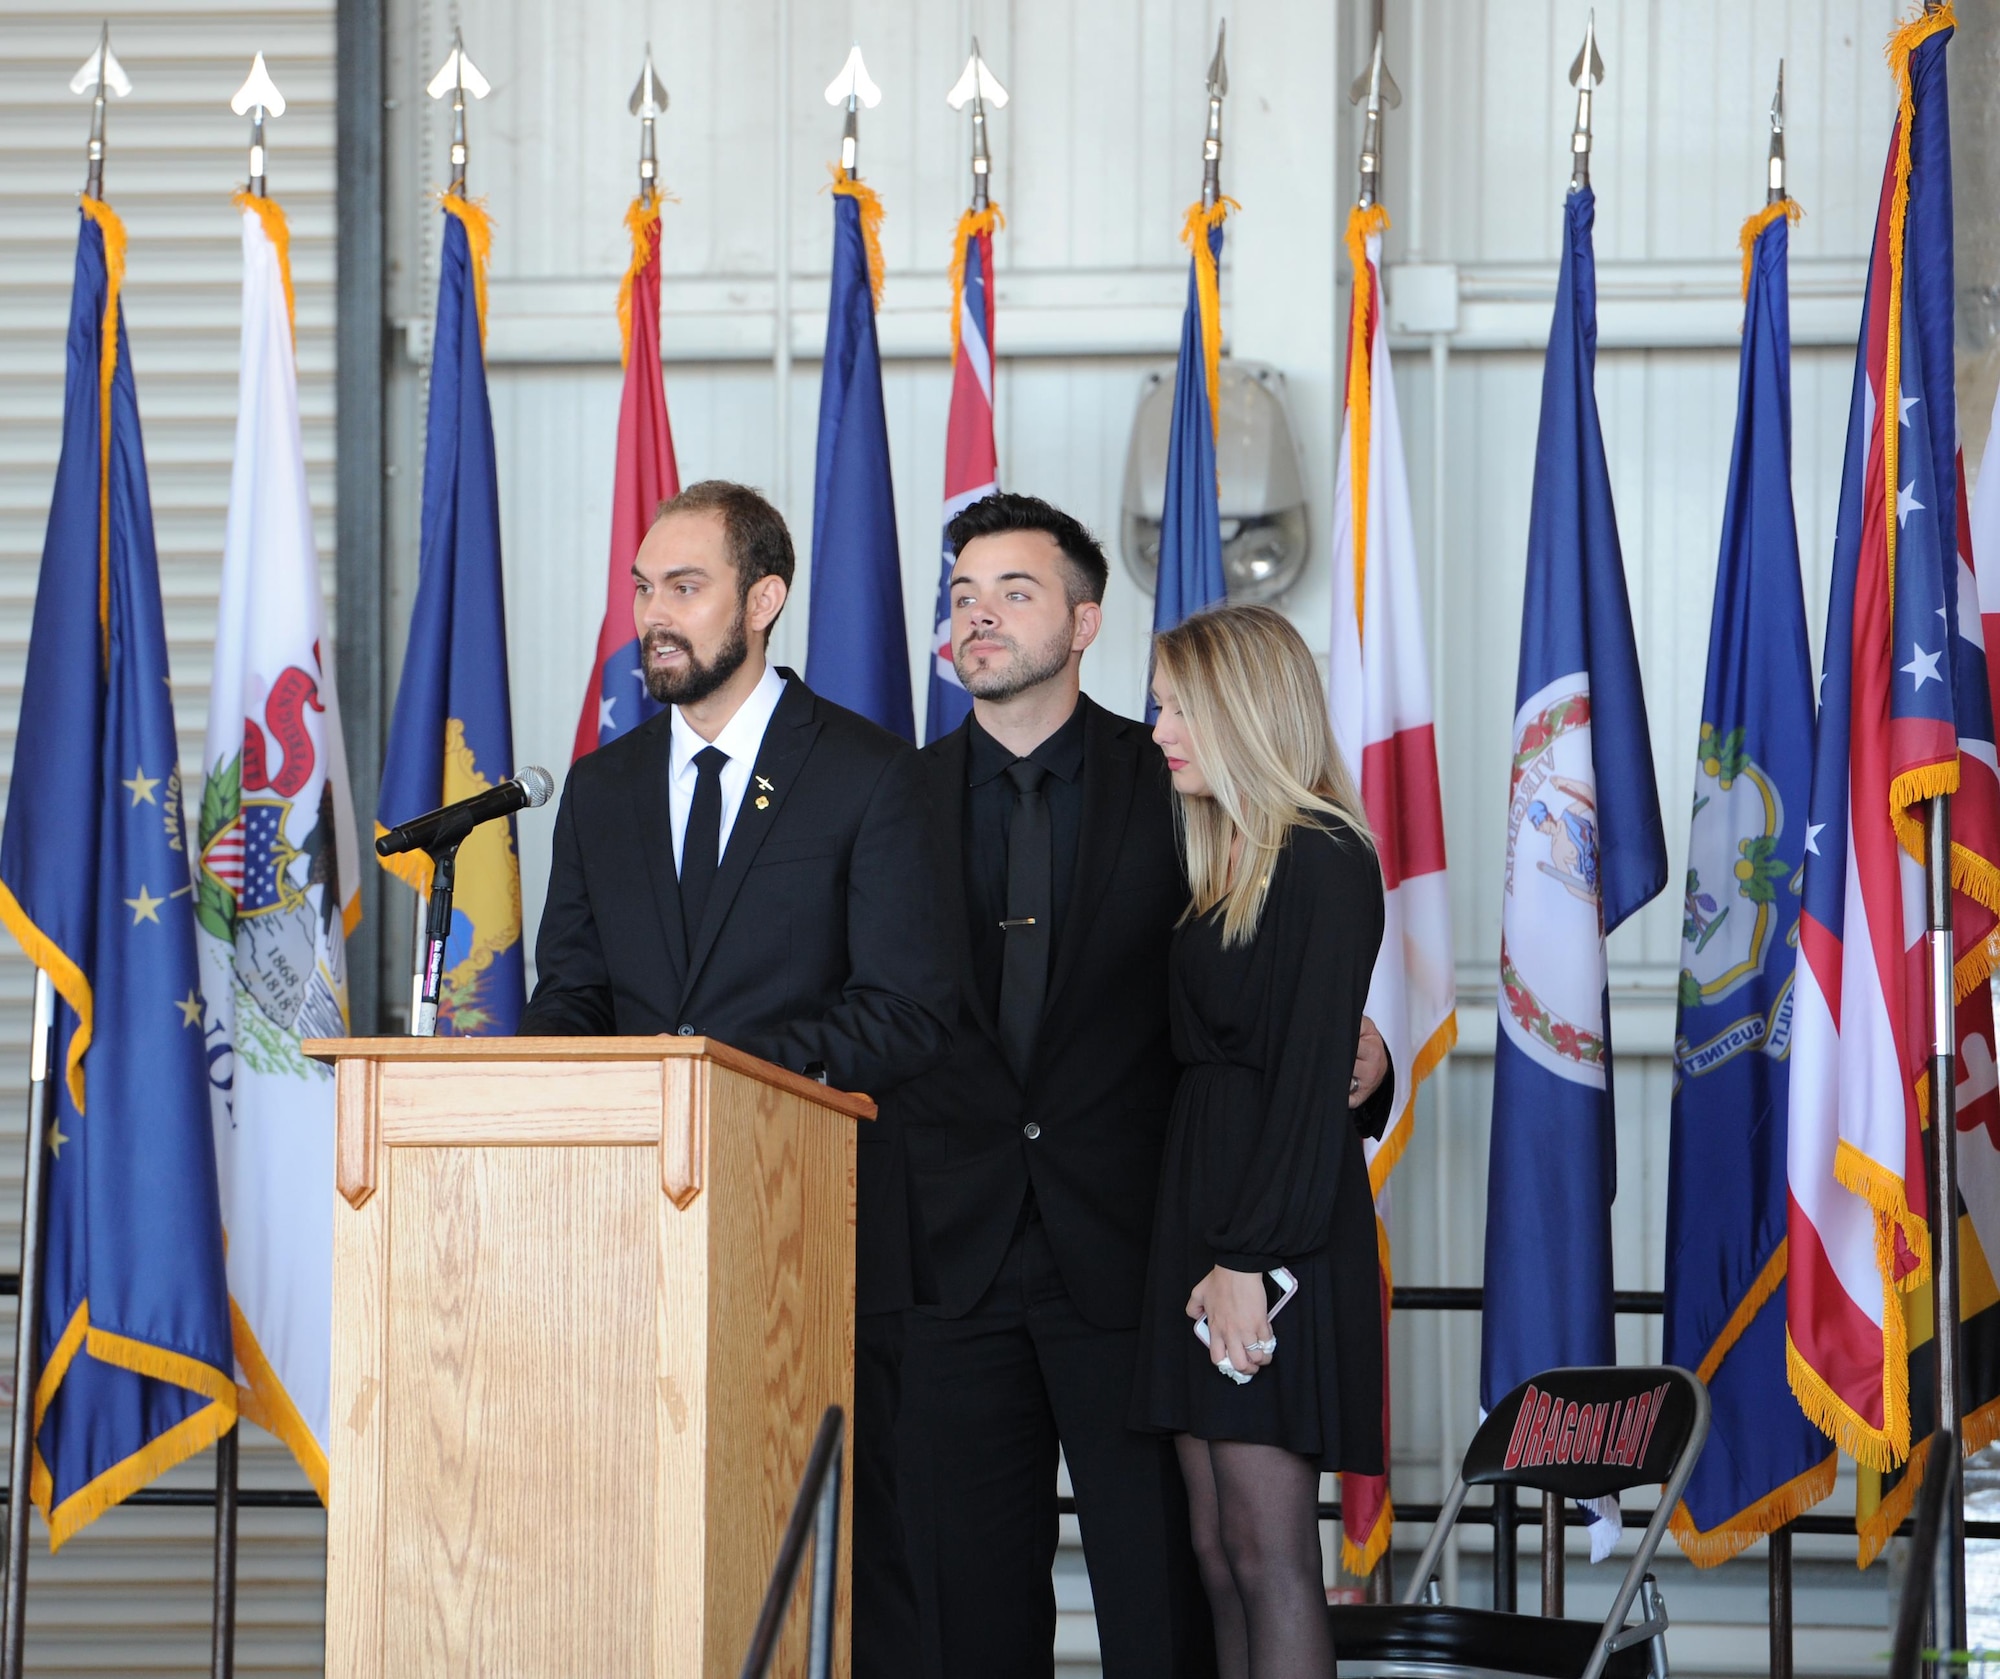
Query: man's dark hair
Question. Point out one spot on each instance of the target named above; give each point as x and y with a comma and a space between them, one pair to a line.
1085, 571
759, 544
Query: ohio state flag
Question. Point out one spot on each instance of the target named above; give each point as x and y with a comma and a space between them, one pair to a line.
1382, 719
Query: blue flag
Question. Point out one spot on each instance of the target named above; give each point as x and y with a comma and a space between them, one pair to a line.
857, 647
453, 734
137, 1367
1585, 848
1190, 575
1726, 1201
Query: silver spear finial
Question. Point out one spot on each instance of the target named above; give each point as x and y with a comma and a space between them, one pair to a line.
978, 85
256, 99
853, 89
1774, 191
100, 71
458, 76
1379, 88
1585, 74
1211, 145
648, 103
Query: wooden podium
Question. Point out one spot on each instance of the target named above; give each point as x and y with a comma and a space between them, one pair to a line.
590, 1298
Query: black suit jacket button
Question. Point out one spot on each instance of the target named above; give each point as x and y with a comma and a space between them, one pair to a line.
1031, 1130
686, 1031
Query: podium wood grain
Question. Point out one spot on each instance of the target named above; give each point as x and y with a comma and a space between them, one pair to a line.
591, 1297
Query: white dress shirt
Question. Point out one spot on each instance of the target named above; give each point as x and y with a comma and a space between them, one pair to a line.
740, 739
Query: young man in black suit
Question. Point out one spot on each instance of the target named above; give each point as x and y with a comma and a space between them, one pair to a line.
1034, 1151
753, 865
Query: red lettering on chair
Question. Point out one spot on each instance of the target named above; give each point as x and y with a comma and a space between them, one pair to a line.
1602, 1413
1549, 1434
1635, 1425
1566, 1441
1523, 1419
1532, 1453
1659, 1397
1610, 1453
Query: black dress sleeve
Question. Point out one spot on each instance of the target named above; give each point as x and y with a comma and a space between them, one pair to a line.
572, 986
1322, 925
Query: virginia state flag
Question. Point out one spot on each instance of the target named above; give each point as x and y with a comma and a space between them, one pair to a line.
971, 463
1190, 575
1585, 848
452, 734
278, 884
616, 700
1725, 1320
857, 648
1905, 714
135, 1357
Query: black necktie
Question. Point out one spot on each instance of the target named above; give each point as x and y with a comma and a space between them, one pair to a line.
1024, 963
703, 844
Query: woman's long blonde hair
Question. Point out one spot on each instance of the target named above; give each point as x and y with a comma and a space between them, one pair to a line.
1258, 731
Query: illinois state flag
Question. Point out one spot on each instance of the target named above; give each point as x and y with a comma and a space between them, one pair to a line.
857, 649
1905, 714
616, 700
1382, 718
1725, 1320
971, 463
1585, 848
1190, 574
278, 885
452, 734
135, 1359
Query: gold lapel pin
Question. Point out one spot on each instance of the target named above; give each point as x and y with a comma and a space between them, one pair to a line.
762, 802
764, 786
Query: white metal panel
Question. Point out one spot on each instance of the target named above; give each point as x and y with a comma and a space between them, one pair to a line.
130, 1595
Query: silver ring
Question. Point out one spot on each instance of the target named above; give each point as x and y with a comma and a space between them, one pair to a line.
1267, 1347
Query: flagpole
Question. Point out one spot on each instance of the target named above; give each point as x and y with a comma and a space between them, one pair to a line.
1948, 1586
27, 1331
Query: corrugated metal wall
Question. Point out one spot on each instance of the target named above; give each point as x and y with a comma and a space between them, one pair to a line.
131, 1594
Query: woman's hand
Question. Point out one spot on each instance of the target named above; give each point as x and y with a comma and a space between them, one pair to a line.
1234, 1302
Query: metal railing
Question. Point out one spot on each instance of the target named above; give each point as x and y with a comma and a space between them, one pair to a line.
815, 1517
1926, 1554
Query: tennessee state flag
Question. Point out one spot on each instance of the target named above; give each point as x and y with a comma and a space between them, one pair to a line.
1585, 849
137, 1370
1725, 1271
646, 475
857, 647
971, 463
1382, 718
1190, 574
452, 734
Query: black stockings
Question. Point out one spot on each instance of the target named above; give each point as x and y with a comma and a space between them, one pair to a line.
1254, 1514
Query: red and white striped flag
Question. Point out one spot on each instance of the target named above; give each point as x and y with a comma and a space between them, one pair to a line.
1381, 697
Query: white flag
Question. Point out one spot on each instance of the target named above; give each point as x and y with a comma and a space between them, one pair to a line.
277, 888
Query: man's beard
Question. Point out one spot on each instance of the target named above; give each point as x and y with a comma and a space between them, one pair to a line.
692, 682
1026, 670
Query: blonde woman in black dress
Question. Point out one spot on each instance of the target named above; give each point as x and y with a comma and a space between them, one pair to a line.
1263, 1169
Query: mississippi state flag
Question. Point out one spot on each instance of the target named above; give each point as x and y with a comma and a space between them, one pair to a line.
616, 699
1381, 695
971, 463
1905, 714
1585, 848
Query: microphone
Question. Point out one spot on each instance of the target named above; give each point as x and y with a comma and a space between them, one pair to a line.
530, 788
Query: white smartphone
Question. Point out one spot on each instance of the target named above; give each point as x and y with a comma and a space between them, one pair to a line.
1285, 1285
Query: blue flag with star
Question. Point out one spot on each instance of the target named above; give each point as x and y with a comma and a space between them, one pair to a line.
135, 1358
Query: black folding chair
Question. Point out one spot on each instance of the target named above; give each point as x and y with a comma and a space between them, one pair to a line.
1581, 1433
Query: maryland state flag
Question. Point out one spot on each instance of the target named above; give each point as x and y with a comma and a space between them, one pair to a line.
1382, 718
646, 475
1905, 715
1725, 1320
452, 734
137, 1371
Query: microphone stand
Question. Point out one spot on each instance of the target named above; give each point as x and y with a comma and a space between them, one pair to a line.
437, 930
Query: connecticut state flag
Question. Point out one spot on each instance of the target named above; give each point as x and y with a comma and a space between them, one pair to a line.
137, 1372
1382, 718
971, 463
1585, 849
646, 474
857, 647
452, 734
1905, 714
1725, 1262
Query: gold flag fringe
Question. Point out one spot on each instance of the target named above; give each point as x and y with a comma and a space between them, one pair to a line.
1789, 208
471, 213
642, 221
1781, 1505
970, 226
279, 231
1361, 224
846, 186
1195, 230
